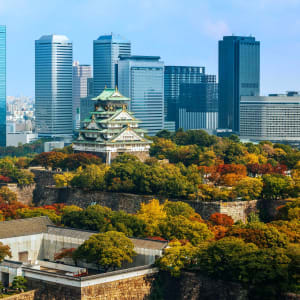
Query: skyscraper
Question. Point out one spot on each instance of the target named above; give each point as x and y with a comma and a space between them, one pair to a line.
141, 78
239, 75
198, 105
106, 52
53, 86
81, 73
174, 77
2, 86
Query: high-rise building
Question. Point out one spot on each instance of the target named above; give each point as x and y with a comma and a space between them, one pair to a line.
2, 86
106, 52
174, 77
81, 74
53, 86
239, 75
141, 78
198, 105
274, 118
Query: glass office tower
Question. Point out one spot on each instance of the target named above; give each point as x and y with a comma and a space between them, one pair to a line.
106, 52
239, 75
141, 78
53, 86
2, 86
174, 77
81, 74
198, 105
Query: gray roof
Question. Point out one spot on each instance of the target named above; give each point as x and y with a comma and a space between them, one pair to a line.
23, 227
85, 234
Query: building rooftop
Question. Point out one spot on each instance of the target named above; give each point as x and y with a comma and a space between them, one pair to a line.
24, 227
112, 38
139, 57
30, 226
111, 95
54, 38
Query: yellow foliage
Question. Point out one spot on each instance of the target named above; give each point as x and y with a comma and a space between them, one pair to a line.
152, 213
63, 180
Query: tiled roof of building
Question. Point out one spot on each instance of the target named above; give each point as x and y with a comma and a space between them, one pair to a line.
24, 227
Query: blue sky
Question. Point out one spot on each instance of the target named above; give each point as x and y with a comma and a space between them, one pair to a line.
182, 32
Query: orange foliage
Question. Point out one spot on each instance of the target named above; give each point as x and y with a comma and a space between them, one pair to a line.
221, 219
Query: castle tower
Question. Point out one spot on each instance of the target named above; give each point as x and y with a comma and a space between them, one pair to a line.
111, 129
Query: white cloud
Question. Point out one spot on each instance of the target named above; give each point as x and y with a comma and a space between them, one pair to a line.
215, 29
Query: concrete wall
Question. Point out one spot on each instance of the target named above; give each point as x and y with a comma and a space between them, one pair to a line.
30, 243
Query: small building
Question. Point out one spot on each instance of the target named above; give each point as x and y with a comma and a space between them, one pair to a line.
34, 243
111, 129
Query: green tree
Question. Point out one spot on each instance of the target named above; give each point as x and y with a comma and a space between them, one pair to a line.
248, 188
276, 186
108, 250
7, 195
181, 228
92, 177
178, 208
176, 257
19, 283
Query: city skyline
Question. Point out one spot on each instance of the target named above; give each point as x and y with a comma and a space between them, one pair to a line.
178, 33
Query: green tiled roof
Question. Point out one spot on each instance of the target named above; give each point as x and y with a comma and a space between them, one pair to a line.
110, 95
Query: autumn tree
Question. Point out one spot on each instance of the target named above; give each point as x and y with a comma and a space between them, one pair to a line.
176, 257
152, 214
107, 250
248, 188
276, 186
260, 234
7, 195
221, 219
178, 208
181, 228
50, 159
4, 251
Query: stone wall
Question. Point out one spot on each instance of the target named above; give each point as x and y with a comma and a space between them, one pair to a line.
24, 296
24, 194
131, 203
138, 288
127, 289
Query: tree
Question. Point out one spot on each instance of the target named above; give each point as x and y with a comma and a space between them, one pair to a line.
289, 211
37, 212
4, 251
177, 257
108, 250
48, 159
221, 219
260, 234
7, 195
95, 218
178, 208
166, 134
63, 180
19, 283
181, 228
76, 160
276, 186
248, 188
92, 177
152, 214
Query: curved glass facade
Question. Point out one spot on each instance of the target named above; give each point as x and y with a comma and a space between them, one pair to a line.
141, 78
2, 86
106, 52
53, 86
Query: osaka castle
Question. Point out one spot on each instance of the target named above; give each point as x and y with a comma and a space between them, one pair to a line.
111, 129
